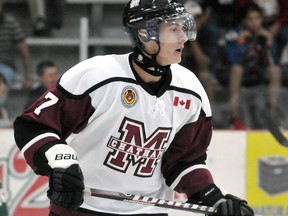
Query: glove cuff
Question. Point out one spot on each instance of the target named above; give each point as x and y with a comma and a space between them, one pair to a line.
54, 154
212, 195
235, 198
61, 156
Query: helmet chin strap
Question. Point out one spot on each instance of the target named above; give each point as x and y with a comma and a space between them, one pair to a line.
149, 65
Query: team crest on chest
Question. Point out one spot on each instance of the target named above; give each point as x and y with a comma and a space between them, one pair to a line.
129, 96
135, 149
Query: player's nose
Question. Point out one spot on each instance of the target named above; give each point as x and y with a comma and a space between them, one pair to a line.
182, 37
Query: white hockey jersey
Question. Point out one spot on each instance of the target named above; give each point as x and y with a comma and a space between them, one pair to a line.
127, 137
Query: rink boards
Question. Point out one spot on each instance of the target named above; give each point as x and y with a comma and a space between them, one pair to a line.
247, 164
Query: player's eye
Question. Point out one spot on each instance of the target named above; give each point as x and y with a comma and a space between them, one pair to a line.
175, 29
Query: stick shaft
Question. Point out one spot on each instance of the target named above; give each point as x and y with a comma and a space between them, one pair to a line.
274, 129
143, 200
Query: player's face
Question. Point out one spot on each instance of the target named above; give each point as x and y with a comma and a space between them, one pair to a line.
172, 37
253, 21
50, 76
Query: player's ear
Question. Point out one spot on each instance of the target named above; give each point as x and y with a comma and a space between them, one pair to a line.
143, 35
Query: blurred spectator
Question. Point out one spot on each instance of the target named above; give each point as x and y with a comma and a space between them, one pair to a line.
200, 56
47, 73
219, 12
279, 29
270, 9
38, 16
46, 15
249, 48
3, 85
275, 20
4, 118
11, 36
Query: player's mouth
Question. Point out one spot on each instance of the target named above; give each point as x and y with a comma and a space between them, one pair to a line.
179, 51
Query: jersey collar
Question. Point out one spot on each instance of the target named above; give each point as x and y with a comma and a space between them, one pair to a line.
155, 89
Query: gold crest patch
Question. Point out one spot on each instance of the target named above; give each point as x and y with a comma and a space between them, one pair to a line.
129, 96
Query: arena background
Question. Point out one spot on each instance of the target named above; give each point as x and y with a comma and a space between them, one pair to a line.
248, 163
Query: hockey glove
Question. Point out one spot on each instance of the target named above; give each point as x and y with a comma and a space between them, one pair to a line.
66, 182
227, 205
66, 187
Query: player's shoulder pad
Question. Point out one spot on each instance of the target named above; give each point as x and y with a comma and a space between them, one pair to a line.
94, 71
184, 78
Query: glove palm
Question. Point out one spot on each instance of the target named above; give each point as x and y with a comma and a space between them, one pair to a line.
66, 187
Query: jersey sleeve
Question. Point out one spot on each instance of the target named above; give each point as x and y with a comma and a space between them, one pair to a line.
184, 163
184, 166
51, 119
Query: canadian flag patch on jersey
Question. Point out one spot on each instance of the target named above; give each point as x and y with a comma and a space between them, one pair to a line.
179, 102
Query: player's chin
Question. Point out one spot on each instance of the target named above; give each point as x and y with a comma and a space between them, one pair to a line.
177, 59
173, 58
177, 56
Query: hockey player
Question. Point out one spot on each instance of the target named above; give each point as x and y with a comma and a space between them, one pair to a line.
141, 124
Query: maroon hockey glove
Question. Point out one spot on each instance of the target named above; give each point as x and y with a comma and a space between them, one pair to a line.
227, 205
66, 187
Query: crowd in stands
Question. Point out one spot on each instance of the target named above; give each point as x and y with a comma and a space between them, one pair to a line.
243, 39
253, 34
46, 15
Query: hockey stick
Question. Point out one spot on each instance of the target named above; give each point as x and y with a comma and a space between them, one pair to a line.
143, 200
274, 129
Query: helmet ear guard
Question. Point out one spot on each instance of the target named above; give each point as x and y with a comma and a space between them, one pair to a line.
149, 33
143, 36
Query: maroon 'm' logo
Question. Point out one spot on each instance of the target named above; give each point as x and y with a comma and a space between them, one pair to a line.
133, 148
